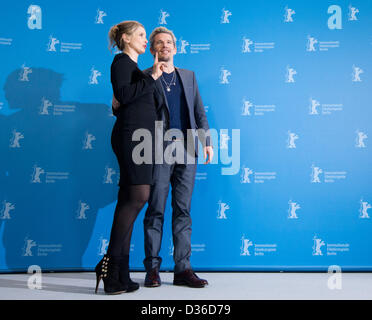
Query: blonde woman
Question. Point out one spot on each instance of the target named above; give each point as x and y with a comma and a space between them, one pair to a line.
136, 109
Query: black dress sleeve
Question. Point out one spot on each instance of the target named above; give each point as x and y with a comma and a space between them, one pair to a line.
125, 91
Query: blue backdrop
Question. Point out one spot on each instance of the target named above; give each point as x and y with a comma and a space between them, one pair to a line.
286, 87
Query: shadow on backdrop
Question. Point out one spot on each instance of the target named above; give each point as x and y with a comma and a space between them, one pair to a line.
57, 171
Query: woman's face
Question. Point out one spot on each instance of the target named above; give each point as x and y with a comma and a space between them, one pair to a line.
137, 40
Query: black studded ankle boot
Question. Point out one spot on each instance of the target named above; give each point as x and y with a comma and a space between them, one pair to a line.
108, 269
124, 275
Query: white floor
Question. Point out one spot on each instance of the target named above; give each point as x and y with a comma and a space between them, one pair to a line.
223, 286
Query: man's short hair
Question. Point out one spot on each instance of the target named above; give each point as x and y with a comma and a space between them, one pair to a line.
158, 30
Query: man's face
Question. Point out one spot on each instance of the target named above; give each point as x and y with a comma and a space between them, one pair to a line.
164, 46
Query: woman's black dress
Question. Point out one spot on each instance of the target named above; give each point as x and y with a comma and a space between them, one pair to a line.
134, 90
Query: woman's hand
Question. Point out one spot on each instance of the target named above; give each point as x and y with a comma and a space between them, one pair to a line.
158, 68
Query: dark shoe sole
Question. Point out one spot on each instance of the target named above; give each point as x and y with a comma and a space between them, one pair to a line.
152, 285
116, 292
184, 283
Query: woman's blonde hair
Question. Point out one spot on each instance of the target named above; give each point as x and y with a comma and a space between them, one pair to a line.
116, 32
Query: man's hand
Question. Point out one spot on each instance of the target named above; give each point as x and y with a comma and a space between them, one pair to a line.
208, 154
115, 103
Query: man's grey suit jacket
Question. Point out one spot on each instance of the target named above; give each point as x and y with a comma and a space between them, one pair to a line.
196, 111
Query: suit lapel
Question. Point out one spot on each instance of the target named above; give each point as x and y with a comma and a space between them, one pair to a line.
161, 93
186, 87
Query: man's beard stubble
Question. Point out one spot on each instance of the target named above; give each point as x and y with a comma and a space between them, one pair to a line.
164, 59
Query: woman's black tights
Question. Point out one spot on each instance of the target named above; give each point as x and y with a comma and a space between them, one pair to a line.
131, 200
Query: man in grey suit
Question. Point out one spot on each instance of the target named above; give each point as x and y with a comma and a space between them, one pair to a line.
179, 106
